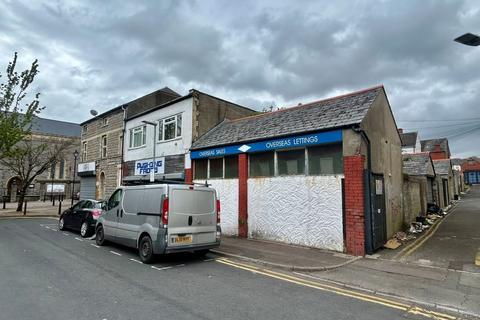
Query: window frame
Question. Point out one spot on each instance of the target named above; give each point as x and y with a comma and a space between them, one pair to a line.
84, 151
276, 162
104, 121
263, 176
84, 128
103, 146
163, 122
142, 129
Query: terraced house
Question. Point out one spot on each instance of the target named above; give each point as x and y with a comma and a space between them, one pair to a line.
101, 147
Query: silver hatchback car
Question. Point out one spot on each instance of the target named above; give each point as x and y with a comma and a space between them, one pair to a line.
161, 218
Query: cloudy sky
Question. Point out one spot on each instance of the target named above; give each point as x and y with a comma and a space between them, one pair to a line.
100, 54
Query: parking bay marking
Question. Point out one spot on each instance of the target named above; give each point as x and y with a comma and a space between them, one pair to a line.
78, 239
160, 269
116, 253
135, 260
65, 234
94, 245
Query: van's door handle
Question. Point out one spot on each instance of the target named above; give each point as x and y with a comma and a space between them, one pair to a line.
117, 212
121, 213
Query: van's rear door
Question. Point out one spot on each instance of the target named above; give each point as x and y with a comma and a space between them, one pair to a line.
192, 217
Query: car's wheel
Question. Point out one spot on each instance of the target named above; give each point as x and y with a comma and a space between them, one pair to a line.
61, 224
99, 236
145, 249
84, 229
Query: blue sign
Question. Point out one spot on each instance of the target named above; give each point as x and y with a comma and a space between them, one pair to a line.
275, 144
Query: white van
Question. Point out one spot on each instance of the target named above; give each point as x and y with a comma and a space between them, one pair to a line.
161, 218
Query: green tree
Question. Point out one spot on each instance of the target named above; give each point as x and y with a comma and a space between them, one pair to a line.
16, 108
31, 157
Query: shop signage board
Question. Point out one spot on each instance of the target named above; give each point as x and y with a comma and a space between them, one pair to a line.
273, 144
143, 167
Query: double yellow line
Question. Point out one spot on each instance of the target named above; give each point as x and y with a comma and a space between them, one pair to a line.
339, 291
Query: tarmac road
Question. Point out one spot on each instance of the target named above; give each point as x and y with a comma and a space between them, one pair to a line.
49, 274
457, 240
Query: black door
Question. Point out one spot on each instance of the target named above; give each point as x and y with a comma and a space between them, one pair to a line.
379, 220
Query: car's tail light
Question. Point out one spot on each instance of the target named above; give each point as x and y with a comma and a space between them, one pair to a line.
218, 211
96, 213
165, 211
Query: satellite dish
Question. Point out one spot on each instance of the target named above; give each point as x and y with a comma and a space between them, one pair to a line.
93, 112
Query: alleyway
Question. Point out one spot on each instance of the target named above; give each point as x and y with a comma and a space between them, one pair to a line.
456, 242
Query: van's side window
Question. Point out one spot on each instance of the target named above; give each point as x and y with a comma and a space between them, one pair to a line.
115, 199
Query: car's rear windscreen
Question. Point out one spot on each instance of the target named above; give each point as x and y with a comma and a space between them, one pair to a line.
192, 201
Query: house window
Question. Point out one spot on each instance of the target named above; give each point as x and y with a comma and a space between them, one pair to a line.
84, 128
138, 137
170, 128
104, 146
84, 152
52, 171
291, 162
216, 168
231, 167
120, 144
104, 122
262, 164
201, 168
62, 169
326, 159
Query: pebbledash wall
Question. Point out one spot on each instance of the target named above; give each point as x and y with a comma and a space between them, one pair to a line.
303, 210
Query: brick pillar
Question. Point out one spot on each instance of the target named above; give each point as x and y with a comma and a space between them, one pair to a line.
243, 195
189, 175
354, 204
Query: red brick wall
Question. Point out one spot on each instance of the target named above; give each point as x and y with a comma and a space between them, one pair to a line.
354, 204
243, 195
189, 175
438, 155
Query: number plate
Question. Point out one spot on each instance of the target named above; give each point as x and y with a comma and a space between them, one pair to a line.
182, 239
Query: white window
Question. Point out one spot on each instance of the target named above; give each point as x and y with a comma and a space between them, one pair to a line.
138, 136
84, 152
84, 129
104, 146
104, 122
170, 128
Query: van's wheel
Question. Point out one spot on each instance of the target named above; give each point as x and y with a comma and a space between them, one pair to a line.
201, 253
145, 249
61, 224
99, 236
84, 229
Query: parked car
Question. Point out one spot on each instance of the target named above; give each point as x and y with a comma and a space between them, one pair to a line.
82, 216
161, 219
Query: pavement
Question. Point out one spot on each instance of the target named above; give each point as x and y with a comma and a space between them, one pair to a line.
52, 274
34, 209
283, 256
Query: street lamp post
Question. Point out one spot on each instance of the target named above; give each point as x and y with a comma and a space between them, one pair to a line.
75, 156
468, 39
152, 173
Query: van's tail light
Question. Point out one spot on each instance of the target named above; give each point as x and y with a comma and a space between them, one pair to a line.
96, 213
218, 211
165, 211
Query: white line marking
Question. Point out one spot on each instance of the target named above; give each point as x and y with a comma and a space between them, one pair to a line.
207, 260
180, 265
78, 239
116, 253
160, 269
94, 245
137, 261
66, 234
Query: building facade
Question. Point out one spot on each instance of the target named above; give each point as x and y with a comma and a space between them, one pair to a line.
326, 174
410, 142
471, 171
59, 178
102, 146
170, 129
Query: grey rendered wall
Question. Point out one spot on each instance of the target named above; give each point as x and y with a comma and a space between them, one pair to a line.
386, 148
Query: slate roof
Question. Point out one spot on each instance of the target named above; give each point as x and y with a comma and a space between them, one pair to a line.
331, 113
429, 145
416, 164
409, 139
442, 166
55, 127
